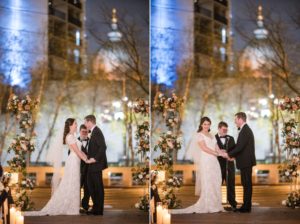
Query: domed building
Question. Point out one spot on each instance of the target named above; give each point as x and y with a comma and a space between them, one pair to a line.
109, 59
257, 55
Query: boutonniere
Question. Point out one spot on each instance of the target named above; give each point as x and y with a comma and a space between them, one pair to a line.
89, 135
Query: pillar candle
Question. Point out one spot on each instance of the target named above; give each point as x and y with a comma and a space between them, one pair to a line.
159, 214
152, 208
20, 220
12, 216
167, 218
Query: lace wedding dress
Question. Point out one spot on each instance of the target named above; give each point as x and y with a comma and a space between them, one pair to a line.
208, 179
66, 198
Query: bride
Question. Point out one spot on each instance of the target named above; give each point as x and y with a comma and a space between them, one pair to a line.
204, 151
65, 199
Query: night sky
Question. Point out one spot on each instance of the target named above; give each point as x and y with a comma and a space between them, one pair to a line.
278, 8
137, 10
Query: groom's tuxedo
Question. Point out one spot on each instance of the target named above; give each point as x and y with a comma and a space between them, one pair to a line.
83, 175
244, 152
227, 167
97, 150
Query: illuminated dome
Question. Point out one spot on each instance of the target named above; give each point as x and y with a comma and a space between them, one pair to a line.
109, 59
257, 54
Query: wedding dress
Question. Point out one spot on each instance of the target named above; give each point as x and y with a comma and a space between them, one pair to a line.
65, 200
208, 178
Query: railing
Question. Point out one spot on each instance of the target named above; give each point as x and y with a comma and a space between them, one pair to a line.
122, 176
74, 20
76, 3
220, 18
57, 13
223, 2
203, 11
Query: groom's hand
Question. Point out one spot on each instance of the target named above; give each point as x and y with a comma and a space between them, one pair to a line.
92, 160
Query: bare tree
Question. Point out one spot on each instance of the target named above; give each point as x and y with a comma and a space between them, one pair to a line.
131, 52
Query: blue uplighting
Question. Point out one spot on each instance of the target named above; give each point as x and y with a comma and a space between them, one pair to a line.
163, 54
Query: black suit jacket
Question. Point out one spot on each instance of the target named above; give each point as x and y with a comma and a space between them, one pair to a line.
244, 151
83, 165
97, 150
228, 146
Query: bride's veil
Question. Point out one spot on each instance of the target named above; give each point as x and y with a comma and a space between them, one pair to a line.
193, 152
55, 158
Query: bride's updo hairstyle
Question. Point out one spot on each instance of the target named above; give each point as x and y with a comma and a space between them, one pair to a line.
203, 119
69, 122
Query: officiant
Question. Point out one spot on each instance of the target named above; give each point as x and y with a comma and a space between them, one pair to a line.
84, 139
227, 143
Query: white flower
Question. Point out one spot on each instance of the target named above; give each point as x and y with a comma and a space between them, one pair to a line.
22, 134
32, 142
17, 195
140, 176
169, 133
287, 173
137, 205
179, 139
14, 141
23, 182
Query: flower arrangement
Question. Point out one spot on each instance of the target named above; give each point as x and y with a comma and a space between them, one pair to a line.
140, 175
16, 105
290, 104
289, 127
143, 130
141, 106
163, 103
143, 135
13, 104
169, 197
17, 164
143, 204
174, 181
22, 200
21, 144
28, 183
293, 199
163, 161
292, 141
288, 172
25, 121
4, 182
171, 119
168, 142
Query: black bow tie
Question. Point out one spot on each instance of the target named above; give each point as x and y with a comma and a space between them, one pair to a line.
223, 136
89, 131
84, 140
239, 129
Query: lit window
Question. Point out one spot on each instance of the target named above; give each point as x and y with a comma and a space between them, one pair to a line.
223, 35
77, 37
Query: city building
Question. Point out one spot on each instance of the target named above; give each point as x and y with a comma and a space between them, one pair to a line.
41, 33
212, 42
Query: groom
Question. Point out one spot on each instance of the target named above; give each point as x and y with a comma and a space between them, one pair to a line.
97, 152
244, 152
